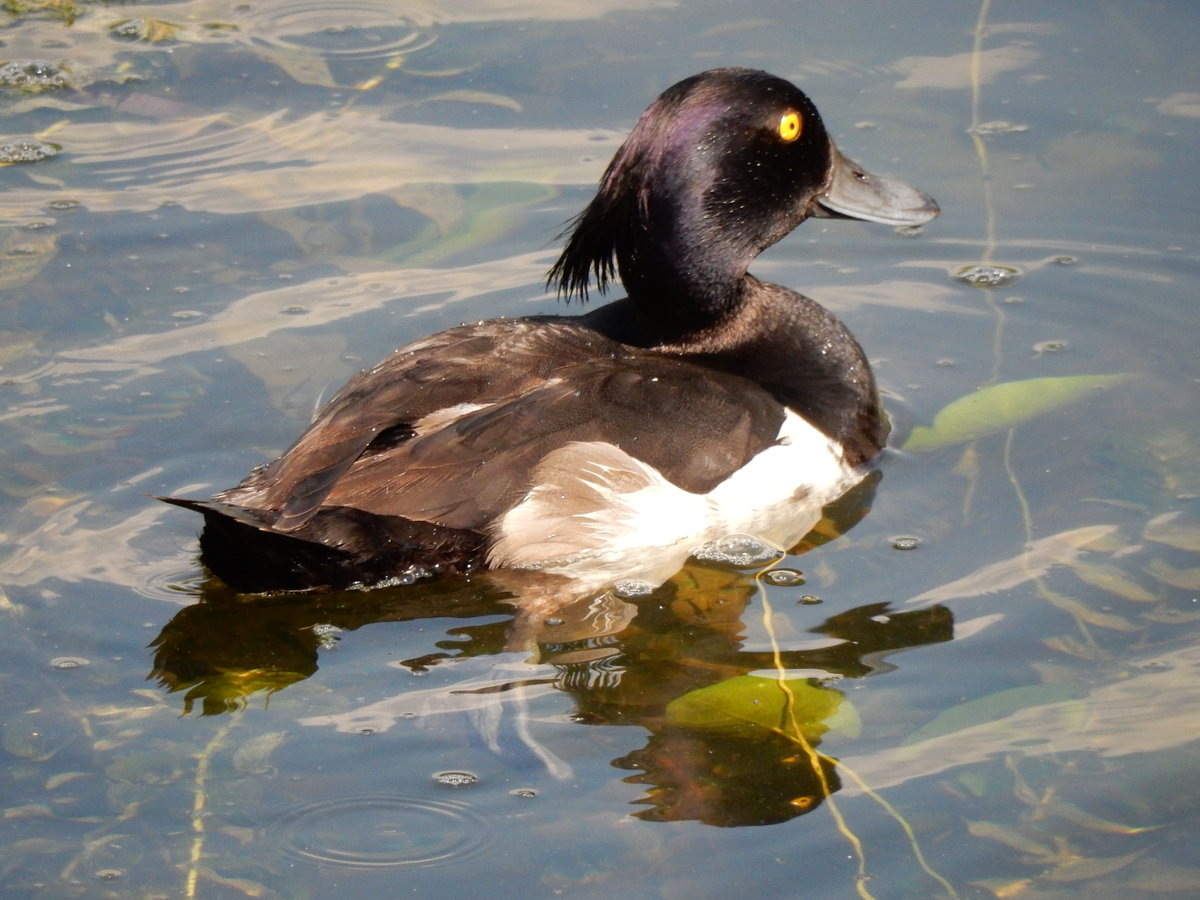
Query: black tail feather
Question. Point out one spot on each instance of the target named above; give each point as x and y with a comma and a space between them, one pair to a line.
339, 547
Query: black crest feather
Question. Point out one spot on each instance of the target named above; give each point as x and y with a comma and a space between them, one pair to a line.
617, 218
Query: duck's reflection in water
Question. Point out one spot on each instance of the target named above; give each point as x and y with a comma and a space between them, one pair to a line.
731, 729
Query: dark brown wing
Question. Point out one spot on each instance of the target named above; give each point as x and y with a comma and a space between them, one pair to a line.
479, 364
694, 425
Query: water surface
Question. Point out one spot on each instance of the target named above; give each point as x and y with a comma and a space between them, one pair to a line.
977, 680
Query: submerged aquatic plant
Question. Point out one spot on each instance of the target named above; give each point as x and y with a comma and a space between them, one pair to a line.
64, 10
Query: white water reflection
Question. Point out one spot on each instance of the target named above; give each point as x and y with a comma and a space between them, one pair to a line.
214, 164
1143, 713
954, 72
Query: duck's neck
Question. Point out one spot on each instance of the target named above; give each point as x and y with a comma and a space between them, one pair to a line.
683, 284
783, 341
803, 354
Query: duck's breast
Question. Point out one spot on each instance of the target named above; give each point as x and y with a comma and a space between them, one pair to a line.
600, 514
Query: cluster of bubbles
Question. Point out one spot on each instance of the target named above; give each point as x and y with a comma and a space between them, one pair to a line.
742, 551
987, 275
33, 74
632, 589
26, 151
411, 575
456, 779
327, 635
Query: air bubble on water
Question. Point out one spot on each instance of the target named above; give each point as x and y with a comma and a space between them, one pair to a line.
905, 542
27, 150
456, 779
68, 662
783, 577
524, 793
327, 635
411, 575
987, 276
741, 551
34, 75
809, 600
632, 589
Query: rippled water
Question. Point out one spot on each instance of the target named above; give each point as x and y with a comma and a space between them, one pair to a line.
976, 677
384, 831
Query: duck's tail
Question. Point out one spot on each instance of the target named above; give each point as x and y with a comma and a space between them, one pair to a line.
339, 547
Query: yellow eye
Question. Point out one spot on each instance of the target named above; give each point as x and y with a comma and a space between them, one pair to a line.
789, 126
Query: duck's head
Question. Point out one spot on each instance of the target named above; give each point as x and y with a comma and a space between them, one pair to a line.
718, 168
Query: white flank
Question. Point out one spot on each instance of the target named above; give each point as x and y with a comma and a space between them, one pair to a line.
599, 515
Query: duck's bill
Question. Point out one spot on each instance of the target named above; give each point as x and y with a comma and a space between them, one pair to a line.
855, 193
